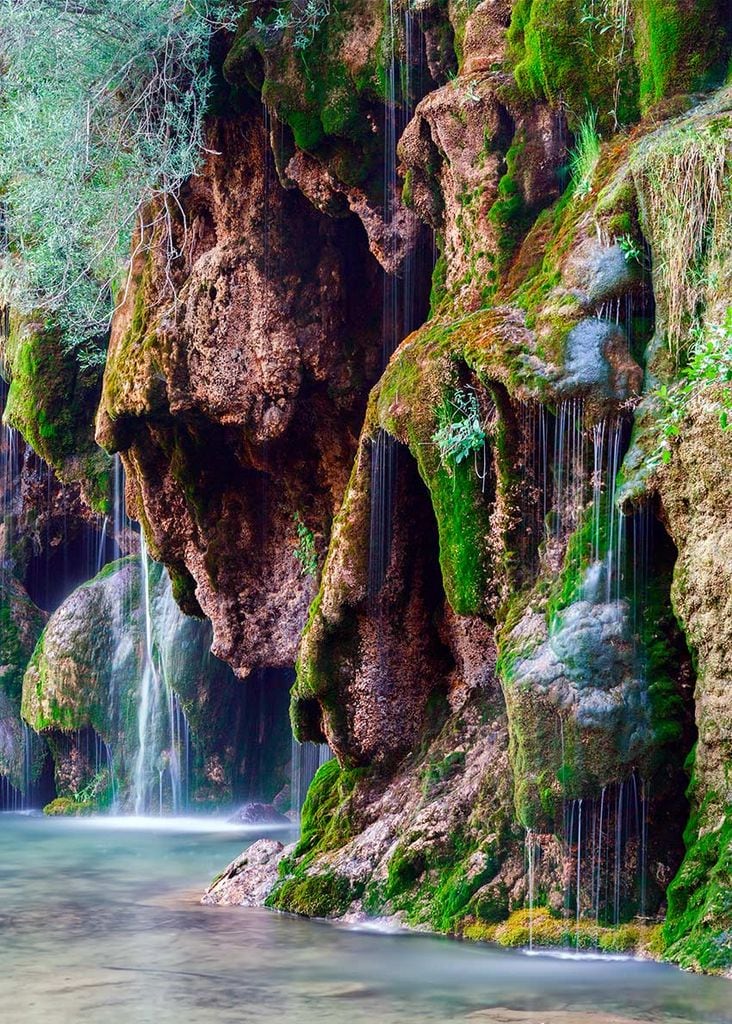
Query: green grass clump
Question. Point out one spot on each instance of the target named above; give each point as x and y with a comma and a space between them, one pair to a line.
585, 156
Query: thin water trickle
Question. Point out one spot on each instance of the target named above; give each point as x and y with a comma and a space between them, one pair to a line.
306, 759
383, 483
530, 847
400, 312
607, 838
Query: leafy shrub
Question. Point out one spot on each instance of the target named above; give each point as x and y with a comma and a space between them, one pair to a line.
303, 19
630, 249
710, 366
103, 112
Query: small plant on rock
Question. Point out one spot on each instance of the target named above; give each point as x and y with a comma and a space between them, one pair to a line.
305, 552
461, 431
585, 156
710, 366
630, 249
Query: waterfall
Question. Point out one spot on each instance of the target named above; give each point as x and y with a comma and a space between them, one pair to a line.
530, 846
148, 700
606, 842
163, 751
306, 759
383, 482
400, 315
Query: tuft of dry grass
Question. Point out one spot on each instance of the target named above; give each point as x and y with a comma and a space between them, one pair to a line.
684, 202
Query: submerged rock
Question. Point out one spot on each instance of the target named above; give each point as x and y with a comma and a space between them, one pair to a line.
258, 814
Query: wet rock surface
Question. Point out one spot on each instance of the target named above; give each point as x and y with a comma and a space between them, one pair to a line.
258, 814
249, 879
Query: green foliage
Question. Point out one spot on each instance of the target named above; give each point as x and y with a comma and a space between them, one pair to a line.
67, 806
460, 432
708, 377
306, 553
103, 112
97, 792
302, 19
630, 249
586, 154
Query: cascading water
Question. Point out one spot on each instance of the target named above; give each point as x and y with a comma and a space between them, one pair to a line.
532, 850
400, 314
606, 840
306, 759
570, 473
162, 762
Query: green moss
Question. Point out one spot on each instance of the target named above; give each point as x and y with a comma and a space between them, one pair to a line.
11, 654
509, 212
436, 772
325, 825
462, 523
325, 821
460, 11
679, 47
698, 929
67, 806
438, 291
325, 895
51, 402
544, 929
433, 884
562, 51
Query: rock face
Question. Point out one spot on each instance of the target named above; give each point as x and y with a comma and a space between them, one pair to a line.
535, 693
236, 407
22, 622
248, 880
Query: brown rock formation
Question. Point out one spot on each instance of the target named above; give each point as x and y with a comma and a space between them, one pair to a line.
236, 405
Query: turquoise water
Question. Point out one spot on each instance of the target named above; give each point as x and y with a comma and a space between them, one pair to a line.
100, 924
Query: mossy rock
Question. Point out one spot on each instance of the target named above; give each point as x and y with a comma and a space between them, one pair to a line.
698, 929
51, 402
68, 807
539, 927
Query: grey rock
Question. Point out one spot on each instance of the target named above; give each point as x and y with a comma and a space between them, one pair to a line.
249, 879
597, 358
258, 814
601, 273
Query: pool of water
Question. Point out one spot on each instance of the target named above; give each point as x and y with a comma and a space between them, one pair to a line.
100, 924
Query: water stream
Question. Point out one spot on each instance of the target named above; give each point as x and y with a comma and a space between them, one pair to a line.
101, 925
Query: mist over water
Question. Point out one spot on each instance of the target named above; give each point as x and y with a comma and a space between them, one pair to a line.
100, 924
